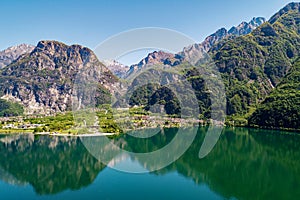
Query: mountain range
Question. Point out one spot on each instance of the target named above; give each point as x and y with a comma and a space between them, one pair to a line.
164, 58
257, 62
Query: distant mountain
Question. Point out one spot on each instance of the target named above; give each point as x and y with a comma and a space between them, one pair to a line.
195, 51
116, 68
245, 28
10, 54
157, 58
42, 81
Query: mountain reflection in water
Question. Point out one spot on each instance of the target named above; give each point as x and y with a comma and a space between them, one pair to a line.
245, 163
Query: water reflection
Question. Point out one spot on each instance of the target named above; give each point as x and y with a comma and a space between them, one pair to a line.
50, 164
108, 151
245, 163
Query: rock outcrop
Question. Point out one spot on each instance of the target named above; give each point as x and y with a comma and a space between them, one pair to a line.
42, 81
10, 54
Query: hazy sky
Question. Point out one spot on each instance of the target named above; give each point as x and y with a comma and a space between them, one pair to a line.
88, 22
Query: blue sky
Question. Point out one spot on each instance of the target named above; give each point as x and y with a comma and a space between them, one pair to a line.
88, 22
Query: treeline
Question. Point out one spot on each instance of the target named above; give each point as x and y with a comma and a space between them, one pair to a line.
281, 110
10, 109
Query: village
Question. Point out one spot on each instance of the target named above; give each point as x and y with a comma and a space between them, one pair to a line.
17, 123
107, 121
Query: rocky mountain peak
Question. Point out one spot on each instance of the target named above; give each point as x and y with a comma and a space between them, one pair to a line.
214, 38
116, 68
50, 46
221, 31
257, 21
156, 57
10, 54
242, 29
60, 51
43, 79
245, 28
192, 52
218, 34
18, 48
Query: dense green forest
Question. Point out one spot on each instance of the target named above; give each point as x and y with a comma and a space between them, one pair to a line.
251, 66
282, 108
9, 109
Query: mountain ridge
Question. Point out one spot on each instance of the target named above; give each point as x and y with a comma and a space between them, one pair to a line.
10, 54
42, 81
188, 53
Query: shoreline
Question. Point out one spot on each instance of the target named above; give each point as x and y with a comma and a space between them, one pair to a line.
74, 135
60, 134
98, 134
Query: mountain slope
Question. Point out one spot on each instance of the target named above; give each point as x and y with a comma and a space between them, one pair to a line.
252, 65
10, 54
43, 79
282, 108
8, 109
196, 50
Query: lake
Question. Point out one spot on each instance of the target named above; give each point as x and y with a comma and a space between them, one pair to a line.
244, 164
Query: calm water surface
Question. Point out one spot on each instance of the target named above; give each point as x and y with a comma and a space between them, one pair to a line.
245, 164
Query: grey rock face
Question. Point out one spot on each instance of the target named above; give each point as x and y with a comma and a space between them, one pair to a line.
10, 54
43, 80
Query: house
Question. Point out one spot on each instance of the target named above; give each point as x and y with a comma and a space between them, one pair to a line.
8, 126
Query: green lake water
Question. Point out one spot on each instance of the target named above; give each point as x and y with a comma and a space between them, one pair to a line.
244, 164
